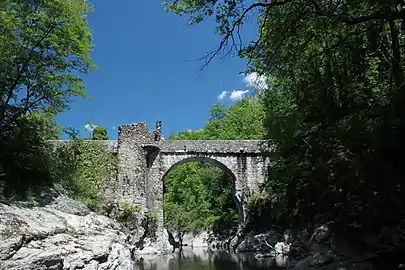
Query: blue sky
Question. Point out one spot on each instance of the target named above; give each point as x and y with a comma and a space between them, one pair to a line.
146, 70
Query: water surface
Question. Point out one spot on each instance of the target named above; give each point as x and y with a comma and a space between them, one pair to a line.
202, 259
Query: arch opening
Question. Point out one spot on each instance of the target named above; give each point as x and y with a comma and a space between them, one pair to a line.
199, 193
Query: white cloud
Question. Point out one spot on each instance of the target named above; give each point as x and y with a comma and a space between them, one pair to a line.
252, 80
235, 95
90, 127
223, 95
255, 81
114, 127
238, 94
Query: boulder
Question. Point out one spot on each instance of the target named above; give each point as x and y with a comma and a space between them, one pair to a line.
281, 248
60, 234
260, 242
196, 239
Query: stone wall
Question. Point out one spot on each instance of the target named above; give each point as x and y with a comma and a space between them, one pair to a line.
144, 160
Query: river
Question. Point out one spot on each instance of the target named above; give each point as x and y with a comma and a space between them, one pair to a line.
202, 259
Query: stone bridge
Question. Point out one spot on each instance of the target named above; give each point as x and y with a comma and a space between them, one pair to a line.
145, 159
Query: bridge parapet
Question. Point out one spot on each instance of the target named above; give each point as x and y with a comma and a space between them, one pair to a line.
215, 146
192, 146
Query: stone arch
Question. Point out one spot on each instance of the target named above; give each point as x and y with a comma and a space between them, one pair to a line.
171, 162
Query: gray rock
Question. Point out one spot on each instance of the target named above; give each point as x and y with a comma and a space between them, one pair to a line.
261, 242
234, 242
315, 261
197, 239
70, 206
63, 234
282, 248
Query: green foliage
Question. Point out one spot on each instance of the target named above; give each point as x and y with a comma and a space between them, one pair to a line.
199, 195
127, 212
336, 115
259, 207
242, 121
28, 161
24, 155
83, 168
335, 111
44, 46
100, 133
44, 49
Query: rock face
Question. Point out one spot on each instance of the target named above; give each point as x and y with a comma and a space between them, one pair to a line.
200, 239
264, 242
60, 235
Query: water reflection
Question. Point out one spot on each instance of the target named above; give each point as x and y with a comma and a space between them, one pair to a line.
202, 259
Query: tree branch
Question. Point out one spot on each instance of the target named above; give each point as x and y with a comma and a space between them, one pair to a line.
229, 33
382, 14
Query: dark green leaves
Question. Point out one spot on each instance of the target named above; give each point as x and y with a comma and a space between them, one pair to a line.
336, 110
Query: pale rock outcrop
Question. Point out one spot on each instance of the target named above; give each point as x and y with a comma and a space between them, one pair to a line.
60, 234
197, 239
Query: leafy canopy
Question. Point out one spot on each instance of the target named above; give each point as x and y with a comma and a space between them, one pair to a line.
335, 110
44, 47
242, 121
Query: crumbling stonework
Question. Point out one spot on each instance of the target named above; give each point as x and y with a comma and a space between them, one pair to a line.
145, 159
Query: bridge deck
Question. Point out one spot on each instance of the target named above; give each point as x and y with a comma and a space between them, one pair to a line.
193, 146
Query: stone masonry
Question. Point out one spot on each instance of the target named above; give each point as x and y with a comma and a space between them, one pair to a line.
145, 158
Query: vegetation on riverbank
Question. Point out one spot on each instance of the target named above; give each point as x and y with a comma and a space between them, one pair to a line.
334, 103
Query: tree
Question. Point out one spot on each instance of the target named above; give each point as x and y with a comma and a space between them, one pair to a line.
100, 133
335, 111
218, 112
44, 47
242, 121
25, 155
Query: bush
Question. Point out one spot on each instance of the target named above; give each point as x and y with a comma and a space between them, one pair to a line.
83, 168
100, 133
127, 212
29, 161
25, 155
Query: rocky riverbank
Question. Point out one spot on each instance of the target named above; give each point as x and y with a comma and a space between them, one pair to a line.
325, 247
56, 232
